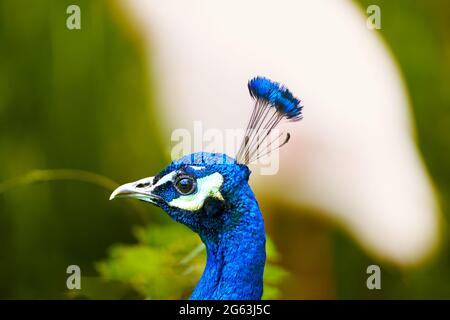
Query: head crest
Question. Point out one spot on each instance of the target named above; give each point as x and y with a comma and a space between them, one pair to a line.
273, 103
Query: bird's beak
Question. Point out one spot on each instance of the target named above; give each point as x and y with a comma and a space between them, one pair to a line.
141, 189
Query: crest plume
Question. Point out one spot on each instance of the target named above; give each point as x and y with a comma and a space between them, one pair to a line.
273, 103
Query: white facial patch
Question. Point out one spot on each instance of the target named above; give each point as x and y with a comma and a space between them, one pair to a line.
208, 186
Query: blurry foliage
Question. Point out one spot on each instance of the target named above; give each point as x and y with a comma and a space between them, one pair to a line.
69, 99
167, 263
153, 266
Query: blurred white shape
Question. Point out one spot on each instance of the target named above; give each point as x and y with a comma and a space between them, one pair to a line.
353, 155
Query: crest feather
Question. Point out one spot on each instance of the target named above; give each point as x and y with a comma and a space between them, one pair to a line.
273, 103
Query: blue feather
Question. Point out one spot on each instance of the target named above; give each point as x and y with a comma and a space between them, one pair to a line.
277, 96
274, 102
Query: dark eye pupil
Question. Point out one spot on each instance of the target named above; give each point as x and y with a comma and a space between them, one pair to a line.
185, 185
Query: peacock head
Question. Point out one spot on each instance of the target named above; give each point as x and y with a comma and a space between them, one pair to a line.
193, 190
197, 189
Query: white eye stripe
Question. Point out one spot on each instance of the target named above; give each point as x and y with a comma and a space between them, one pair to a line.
197, 168
168, 177
208, 186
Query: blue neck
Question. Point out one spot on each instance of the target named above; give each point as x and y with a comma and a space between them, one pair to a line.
235, 253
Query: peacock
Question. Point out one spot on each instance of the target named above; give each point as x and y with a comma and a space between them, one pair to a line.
210, 194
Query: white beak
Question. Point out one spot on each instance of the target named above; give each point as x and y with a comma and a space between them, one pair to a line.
141, 189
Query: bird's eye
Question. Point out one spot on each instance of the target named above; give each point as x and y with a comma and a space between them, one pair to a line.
185, 184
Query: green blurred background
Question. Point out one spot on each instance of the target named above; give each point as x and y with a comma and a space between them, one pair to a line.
82, 103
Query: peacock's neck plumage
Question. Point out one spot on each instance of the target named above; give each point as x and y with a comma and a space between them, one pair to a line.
235, 251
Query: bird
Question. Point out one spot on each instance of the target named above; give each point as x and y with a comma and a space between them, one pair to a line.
210, 194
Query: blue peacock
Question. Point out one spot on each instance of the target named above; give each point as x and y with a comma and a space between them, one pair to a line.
210, 194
